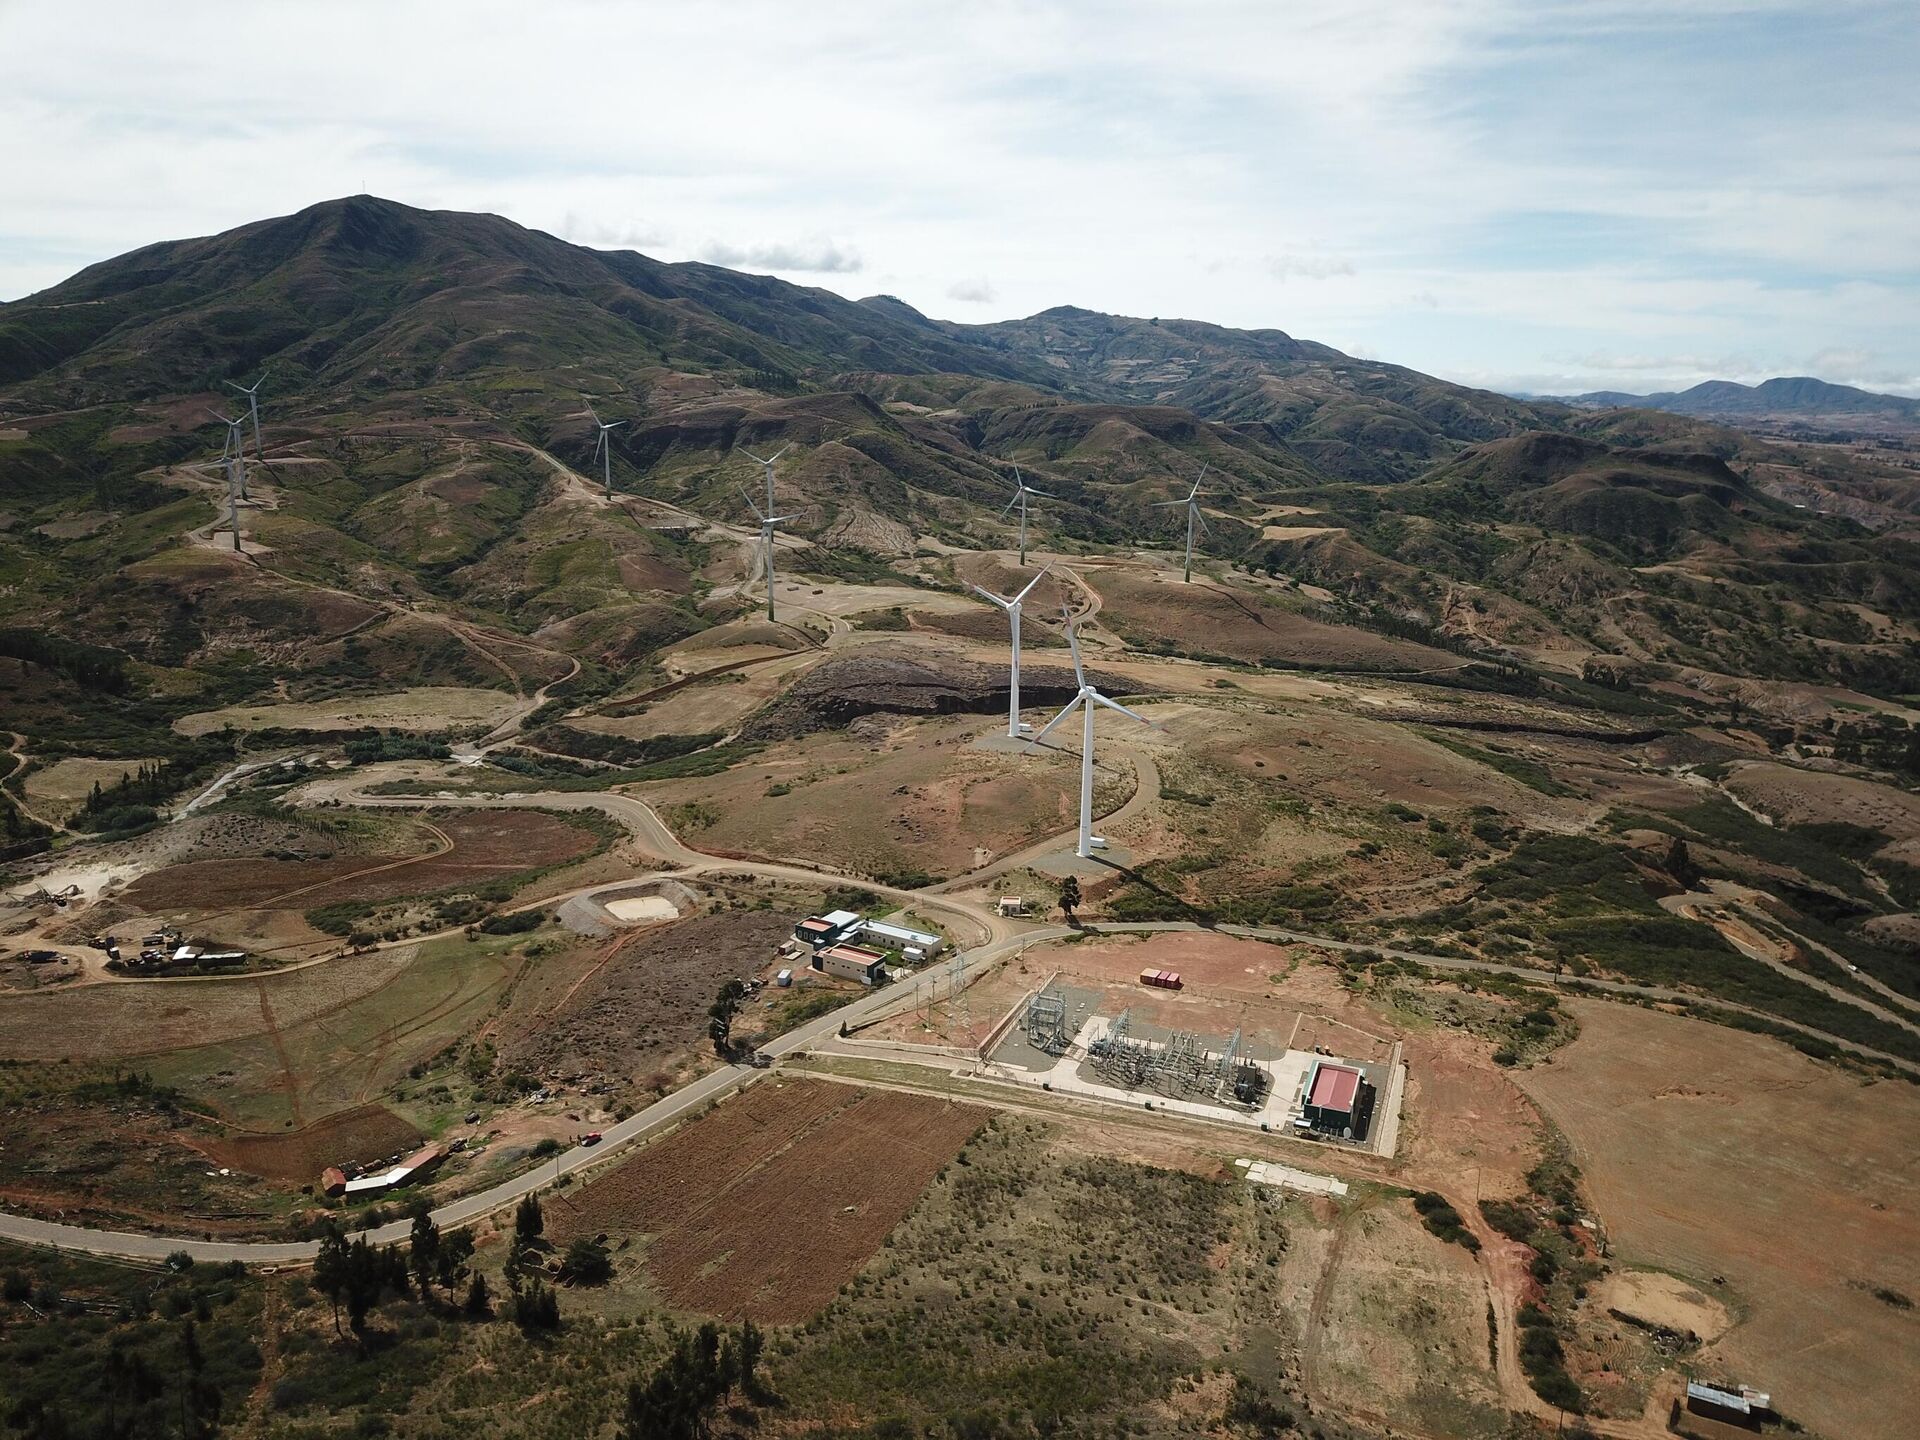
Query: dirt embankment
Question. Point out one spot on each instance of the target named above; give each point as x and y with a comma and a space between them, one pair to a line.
842, 689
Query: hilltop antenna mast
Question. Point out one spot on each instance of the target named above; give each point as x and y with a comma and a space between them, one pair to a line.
1012, 607
603, 449
1020, 493
1192, 504
1087, 699
252, 392
767, 521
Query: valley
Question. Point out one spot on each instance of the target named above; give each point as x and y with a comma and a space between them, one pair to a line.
1504, 751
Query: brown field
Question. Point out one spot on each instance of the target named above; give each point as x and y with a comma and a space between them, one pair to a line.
1804, 797
484, 846
642, 1011
1205, 617
1402, 1329
424, 708
1710, 1152
59, 789
766, 1206
360, 1136
118, 1165
923, 797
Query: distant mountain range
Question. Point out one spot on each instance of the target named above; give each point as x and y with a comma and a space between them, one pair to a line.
1786, 398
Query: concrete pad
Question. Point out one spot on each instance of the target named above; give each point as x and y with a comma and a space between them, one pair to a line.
1099, 865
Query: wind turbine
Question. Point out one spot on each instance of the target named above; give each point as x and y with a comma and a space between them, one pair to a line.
233, 449
1088, 697
767, 521
1021, 491
767, 466
1192, 502
252, 392
603, 448
1012, 607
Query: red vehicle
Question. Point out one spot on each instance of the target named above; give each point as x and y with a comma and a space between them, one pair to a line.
592, 1137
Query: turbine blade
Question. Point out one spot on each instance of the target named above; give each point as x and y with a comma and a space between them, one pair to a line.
1013, 502
1167, 504
778, 453
1047, 729
613, 425
1003, 604
751, 506
592, 412
1073, 644
1100, 699
1044, 494
1031, 583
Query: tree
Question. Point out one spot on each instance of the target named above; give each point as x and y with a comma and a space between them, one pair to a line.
720, 1016
536, 1308
1069, 897
423, 1248
528, 1222
479, 1303
199, 1396
330, 1269
677, 1401
1679, 864
586, 1263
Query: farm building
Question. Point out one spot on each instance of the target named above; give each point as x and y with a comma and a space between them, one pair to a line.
1743, 1407
1339, 1101
416, 1166
914, 944
851, 962
817, 932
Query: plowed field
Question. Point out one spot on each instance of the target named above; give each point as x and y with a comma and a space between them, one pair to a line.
767, 1206
362, 1135
484, 846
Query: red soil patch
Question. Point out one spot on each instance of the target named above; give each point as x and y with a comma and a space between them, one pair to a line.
486, 846
359, 1136
768, 1205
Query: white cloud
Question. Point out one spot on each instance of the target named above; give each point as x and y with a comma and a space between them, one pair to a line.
814, 257
1360, 161
1306, 267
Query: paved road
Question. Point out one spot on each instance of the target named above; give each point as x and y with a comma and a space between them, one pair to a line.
997, 936
657, 1116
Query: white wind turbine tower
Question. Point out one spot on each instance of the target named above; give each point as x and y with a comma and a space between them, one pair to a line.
1192, 504
1012, 607
236, 467
252, 392
767, 466
767, 521
233, 450
1087, 699
603, 449
1021, 491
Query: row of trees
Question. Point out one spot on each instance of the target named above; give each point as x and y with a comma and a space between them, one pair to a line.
357, 1275
680, 1398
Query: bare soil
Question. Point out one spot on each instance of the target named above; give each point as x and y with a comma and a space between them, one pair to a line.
1709, 1152
485, 846
643, 1010
765, 1207
360, 1136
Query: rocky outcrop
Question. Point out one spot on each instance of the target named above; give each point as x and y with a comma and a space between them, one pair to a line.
846, 687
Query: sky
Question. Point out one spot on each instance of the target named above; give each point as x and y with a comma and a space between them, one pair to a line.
1540, 196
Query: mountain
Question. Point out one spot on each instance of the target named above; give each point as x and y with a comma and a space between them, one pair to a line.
1786, 399
427, 431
